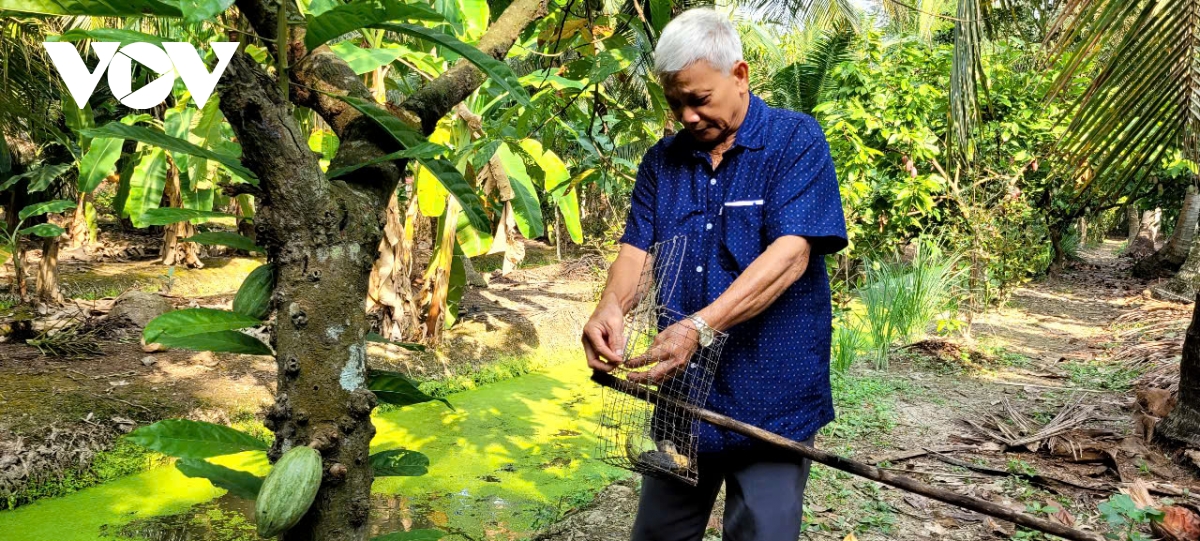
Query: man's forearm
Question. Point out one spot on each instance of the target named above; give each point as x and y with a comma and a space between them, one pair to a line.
623, 277
783, 262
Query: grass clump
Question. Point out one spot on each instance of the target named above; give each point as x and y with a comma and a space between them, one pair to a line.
902, 299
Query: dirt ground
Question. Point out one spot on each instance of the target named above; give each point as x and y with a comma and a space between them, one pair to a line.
1076, 342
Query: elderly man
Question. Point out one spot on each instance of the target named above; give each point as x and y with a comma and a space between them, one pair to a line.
754, 191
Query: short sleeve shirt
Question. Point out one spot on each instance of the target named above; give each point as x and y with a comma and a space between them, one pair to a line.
778, 179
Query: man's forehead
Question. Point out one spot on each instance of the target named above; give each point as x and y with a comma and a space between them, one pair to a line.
692, 80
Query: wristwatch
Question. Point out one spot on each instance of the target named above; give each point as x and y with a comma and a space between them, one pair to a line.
706, 333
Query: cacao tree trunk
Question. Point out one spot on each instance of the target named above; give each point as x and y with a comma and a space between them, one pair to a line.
1081, 227
1172, 255
322, 238
1183, 423
47, 275
1145, 242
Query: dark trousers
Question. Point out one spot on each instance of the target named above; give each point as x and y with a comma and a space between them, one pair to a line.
764, 499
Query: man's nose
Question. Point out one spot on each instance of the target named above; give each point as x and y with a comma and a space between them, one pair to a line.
689, 116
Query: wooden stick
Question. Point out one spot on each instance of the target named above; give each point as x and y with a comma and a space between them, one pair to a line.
851, 466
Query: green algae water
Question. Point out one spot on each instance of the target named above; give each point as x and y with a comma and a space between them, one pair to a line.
507, 460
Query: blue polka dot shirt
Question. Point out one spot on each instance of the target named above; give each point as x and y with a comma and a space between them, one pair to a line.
778, 179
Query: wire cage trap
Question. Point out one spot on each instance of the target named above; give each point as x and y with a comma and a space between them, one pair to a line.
634, 434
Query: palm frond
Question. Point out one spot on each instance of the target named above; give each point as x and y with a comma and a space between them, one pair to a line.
803, 85
1145, 96
966, 76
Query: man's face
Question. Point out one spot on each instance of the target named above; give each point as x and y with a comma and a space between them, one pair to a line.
707, 101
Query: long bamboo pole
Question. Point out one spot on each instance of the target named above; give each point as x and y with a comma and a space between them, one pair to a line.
850, 466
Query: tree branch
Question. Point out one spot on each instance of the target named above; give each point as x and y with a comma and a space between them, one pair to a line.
360, 139
432, 101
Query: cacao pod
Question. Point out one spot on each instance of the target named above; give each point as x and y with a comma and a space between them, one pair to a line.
288, 491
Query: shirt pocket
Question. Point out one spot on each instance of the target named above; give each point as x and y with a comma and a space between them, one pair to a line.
741, 233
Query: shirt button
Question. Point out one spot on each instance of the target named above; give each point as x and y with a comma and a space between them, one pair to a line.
707, 226
699, 269
712, 181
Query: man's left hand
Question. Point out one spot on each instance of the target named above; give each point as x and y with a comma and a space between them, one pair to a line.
671, 350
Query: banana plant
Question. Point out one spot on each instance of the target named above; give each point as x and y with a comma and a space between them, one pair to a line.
12, 237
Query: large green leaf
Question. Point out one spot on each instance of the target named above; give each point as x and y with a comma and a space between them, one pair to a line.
176, 122
205, 133
568, 205
39, 177
43, 230
165, 216
497, 71
174, 144
660, 14
183, 438
94, 8
412, 535
45, 207
426, 151
146, 186
376, 337
472, 241
220, 341
527, 209
456, 285
120, 206
395, 388
195, 321
363, 59
239, 483
399, 463
253, 298
120, 35
408, 137
611, 62
224, 238
99, 162
196, 11
347, 18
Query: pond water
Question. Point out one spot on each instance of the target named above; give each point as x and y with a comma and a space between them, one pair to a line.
509, 459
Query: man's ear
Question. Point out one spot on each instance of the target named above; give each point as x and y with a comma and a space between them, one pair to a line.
741, 72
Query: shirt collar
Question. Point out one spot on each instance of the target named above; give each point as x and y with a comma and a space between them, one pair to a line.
749, 134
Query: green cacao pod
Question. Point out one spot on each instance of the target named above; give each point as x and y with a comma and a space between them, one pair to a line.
288, 491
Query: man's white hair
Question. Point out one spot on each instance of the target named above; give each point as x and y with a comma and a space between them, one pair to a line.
695, 35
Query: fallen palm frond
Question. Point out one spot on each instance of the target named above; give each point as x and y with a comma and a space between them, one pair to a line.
68, 339
1015, 429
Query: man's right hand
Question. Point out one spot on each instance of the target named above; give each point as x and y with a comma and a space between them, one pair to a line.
604, 338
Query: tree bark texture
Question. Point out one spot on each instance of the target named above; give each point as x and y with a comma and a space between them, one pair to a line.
1134, 221
322, 238
1182, 286
1171, 256
1183, 423
47, 276
1145, 242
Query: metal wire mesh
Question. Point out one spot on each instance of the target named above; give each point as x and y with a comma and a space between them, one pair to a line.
634, 434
